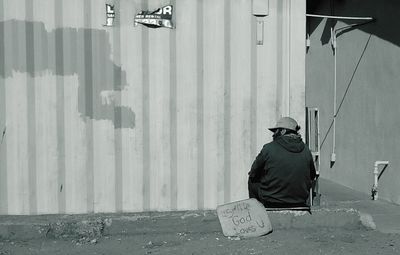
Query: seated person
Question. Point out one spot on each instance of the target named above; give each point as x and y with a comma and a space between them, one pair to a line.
282, 173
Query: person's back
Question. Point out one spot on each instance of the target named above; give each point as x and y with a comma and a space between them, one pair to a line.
282, 173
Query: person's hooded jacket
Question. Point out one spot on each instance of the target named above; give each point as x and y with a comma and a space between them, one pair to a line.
285, 169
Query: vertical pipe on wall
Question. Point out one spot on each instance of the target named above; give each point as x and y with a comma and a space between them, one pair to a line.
334, 47
334, 33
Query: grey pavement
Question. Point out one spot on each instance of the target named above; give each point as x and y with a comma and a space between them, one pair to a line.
385, 215
340, 207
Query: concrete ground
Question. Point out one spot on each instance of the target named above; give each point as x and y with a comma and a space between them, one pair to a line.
347, 222
385, 215
296, 241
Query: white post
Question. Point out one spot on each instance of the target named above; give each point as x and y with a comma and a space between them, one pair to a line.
376, 176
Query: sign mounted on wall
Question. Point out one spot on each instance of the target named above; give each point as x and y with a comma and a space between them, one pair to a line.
162, 17
110, 15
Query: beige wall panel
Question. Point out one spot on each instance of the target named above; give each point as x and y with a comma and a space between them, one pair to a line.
186, 45
213, 103
46, 112
72, 13
159, 76
188, 93
17, 161
46, 146
75, 134
104, 167
284, 11
75, 149
297, 62
240, 97
112, 71
267, 78
103, 130
3, 141
44, 13
16, 105
131, 96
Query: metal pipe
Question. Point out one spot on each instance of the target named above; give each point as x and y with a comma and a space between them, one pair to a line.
374, 190
334, 47
334, 33
338, 17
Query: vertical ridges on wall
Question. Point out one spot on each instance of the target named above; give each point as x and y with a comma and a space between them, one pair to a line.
279, 56
200, 106
202, 95
31, 105
88, 98
213, 85
76, 130
289, 43
173, 119
145, 115
59, 48
296, 94
227, 102
118, 118
3, 124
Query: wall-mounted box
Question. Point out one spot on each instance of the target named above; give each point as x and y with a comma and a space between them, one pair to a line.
260, 8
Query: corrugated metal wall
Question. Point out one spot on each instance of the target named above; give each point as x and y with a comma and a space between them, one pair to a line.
129, 118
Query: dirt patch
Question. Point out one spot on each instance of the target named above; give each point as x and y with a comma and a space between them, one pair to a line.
295, 241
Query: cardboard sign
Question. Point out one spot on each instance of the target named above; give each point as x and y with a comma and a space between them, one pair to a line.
245, 218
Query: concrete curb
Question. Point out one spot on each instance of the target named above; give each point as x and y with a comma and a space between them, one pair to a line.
321, 218
90, 227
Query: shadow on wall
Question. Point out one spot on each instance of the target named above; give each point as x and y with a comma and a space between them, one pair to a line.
384, 12
90, 63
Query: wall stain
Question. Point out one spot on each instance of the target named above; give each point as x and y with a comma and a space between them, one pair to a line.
125, 117
3, 135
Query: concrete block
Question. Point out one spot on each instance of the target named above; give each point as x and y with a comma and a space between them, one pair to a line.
330, 218
88, 227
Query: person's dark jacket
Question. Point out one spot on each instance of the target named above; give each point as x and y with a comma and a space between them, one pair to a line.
284, 168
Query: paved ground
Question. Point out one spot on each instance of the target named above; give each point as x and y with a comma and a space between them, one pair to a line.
332, 229
298, 241
385, 215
